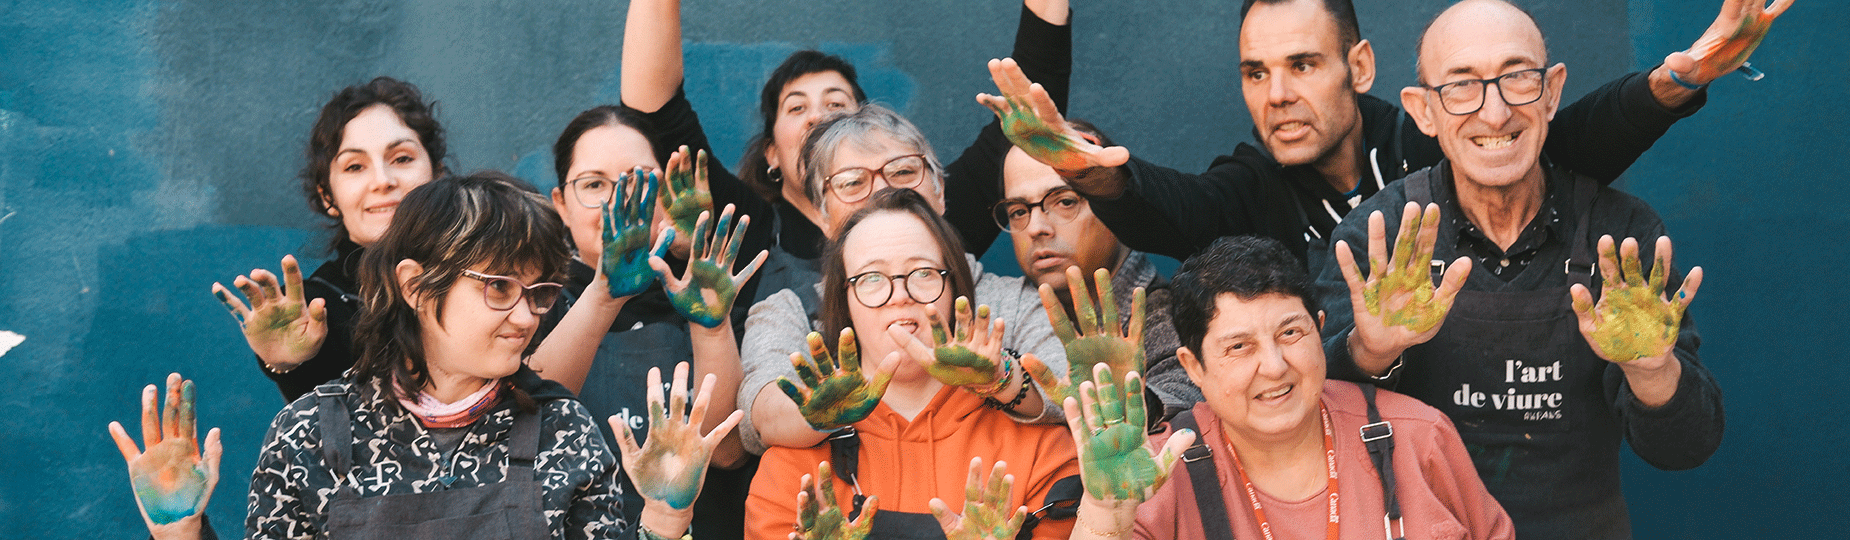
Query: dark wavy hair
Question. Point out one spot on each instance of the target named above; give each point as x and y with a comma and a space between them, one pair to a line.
753, 167
325, 138
835, 300
597, 117
447, 226
1244, 266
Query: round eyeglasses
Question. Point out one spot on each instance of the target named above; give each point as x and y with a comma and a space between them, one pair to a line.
852, 184
1061, 205
596, 191
501, 293
923, 284
1467, 96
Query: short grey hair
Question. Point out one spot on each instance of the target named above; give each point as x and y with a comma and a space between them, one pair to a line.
826, 137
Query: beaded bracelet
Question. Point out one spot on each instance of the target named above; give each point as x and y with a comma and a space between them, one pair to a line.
1027, 384
1002, 381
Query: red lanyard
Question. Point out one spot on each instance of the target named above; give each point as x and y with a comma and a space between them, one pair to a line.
1329, 458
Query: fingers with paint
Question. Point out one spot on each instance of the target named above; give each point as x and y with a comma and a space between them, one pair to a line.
625, 261
686, 195
282, 327
1032, 121
172, 479
1100, 338
834, 395
669, 467
1108, 427
819, 517
986, 512
1633, 318
1396, 305
969, 355
1728, 42
706, 291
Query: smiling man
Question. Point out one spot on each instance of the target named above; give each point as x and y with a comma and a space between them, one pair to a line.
1542, 383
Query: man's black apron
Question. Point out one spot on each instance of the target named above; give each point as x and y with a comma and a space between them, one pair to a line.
1513, 372
508, 510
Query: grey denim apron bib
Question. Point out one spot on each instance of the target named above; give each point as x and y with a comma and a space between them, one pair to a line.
505, 511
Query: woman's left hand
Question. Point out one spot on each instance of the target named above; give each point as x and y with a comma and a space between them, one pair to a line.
625, 261
972, 360
986, 507
687, 195
669, 467
705, 292
172, 481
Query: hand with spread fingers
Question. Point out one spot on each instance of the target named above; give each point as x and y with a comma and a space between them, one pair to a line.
819, 517
1108, 427
1032, 121
669, 468
172, 480
1634, 321
685, 195
1102, 338
625, 261
986, 514
834, 396
1396, 306
1728, 42
705, 292
282, 328
973, 360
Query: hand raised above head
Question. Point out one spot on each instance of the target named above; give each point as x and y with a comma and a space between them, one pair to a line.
686, 195
1032, 121
1728, 42
625, 260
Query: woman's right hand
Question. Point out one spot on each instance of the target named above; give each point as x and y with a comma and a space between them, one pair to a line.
279, 325
669, 468
833, 394
625, 261
1117, 470
820, 518
171, 480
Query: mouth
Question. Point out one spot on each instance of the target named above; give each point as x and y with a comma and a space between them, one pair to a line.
1496, 143
1291, 130
1275, 394
909, 325
1046, 259
384, 208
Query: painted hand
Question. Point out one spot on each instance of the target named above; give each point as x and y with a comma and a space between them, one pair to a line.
1397, 307
625, 261
704, 294
1728, 42
1109, 431
280, 327
834, 396
1101, 339
972, 360
172, 480
1032, 121
669, 467
986, 509
1634, 319
685, 195
820, 518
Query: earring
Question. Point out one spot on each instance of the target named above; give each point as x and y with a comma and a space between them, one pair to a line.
775, 175
333, 212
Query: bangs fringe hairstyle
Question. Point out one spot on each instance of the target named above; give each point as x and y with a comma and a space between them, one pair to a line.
325, 138
448, 226
597, 117
835, 300
1244, 266
753, 167
826, 138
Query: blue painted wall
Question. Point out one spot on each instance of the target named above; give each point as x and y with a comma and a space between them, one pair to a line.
148, 149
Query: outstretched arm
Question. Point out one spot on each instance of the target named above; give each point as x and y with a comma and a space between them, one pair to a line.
651, 54
1722, 49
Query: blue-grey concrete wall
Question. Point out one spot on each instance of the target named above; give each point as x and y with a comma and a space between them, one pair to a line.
148, 149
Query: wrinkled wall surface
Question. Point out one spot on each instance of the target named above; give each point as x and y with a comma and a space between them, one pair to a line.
148, 149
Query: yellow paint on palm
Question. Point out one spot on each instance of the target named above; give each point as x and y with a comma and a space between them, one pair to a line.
1636, 323
1403, 293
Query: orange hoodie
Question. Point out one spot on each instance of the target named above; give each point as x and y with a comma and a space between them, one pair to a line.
907, 463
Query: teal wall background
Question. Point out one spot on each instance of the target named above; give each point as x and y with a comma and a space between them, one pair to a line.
148, 149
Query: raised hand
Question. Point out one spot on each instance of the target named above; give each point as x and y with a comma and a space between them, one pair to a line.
973, 359
670, 466
820, 518
1633, 319
280, 327
986, 507
1728, 42
172, 480
625, 261
686, 195
1109, 431
834, 396
1101, 339
1396, 306
1032, 121
705, 292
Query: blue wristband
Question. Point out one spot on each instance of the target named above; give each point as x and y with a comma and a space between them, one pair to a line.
1679, 80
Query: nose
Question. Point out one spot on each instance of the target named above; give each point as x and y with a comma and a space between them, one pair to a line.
1278, 93
383, 179
1272, 363
1495, 111
522, 313
1039, 223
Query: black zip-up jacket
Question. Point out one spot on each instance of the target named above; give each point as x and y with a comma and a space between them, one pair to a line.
1176, 214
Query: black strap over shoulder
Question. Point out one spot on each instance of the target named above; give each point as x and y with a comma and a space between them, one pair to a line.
1061, 503
1378, 436
336, 428
1205, 480
845, 459
523, 446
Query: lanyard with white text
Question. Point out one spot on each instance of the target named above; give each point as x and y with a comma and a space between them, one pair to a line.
1329, 459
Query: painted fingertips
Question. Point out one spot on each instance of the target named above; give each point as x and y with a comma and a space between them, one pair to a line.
1056, 315
1107, 303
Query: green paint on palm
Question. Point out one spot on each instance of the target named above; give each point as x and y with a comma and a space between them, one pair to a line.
956, 363
1113, 462
836, 397
820, 518
1636, 322
687, 197
708, 296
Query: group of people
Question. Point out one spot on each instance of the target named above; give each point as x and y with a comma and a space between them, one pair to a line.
842, 367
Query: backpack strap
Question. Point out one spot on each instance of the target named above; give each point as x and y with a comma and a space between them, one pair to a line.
845, 459
1378, 436
1203, 477
336, 430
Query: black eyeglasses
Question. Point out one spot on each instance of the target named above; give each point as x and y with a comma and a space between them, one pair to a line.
501, 293
1467, 96
1061, 205
596, 191
923, 284
854, 183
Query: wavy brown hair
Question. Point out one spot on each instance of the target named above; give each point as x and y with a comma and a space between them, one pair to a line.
835, 300
325, 138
